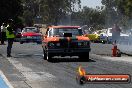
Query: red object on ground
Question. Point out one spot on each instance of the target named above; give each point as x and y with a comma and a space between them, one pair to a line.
114, 50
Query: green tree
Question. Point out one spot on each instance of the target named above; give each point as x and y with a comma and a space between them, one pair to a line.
125, 7
91, 17
118, 11
49, 10
55, 9
10, 9
111, 11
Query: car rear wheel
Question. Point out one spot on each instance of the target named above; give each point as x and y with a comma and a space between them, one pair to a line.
44, 54
49, 57
84, 57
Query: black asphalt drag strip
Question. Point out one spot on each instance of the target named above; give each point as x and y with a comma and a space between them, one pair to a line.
31, 71
12, 74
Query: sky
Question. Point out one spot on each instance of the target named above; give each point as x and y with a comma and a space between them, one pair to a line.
91, 3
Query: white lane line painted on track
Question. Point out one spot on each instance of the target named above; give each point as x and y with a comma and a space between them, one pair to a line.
29, 74
4, 83
38, 76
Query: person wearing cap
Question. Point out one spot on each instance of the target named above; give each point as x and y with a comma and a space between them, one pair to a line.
10, 34
3, 33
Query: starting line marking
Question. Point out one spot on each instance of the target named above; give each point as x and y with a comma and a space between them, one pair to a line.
29, 74
4, 83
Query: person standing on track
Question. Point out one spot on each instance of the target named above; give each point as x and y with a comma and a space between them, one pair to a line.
115, 33
10, 34
3, 33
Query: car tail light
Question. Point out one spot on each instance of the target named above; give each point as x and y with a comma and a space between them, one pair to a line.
53, 44
83, 44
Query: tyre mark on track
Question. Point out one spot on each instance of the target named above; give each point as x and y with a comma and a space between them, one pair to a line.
29, 74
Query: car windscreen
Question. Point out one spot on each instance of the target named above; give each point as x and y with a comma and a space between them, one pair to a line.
60, 32
30, 30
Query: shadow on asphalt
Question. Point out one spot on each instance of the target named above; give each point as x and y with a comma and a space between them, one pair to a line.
22, 55
55, 60
70, 60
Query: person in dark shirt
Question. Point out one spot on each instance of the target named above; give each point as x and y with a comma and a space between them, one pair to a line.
115, 33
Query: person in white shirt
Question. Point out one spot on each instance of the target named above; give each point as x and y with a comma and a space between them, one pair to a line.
3, 33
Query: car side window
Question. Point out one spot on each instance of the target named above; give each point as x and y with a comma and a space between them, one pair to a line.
50, 32
47, 31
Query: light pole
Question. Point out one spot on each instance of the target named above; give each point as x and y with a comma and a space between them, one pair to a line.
39, 12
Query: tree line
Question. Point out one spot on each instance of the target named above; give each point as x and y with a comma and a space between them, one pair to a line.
112, 11
28, 12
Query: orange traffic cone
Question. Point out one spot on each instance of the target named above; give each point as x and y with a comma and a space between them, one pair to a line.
114, 49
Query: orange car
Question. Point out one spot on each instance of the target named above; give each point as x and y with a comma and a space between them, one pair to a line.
65, 41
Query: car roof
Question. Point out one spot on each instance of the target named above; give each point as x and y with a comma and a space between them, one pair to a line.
30, 27
64, 27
